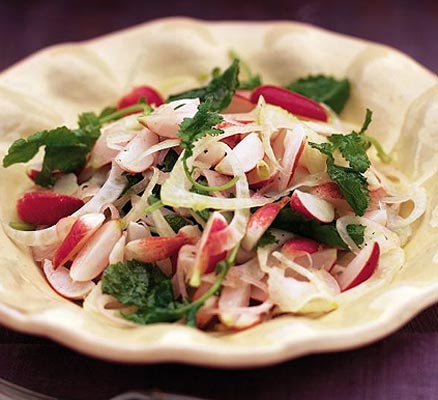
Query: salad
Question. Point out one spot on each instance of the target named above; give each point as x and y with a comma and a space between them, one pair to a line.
222, 207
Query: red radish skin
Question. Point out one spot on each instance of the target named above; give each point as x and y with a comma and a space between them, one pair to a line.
360, 268
293, 102
298, 247
93, 258
312, 206
151, 96
46, 208
62, 283
76, 238
328, 191
260, 221
152, 249
208, 251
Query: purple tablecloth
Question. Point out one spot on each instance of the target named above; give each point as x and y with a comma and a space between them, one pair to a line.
402, 366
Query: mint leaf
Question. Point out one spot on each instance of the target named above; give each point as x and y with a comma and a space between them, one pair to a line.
352, 184
324, 89
356, 232
292, 221
220, 90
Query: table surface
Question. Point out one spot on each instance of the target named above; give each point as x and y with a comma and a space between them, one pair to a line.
401, 366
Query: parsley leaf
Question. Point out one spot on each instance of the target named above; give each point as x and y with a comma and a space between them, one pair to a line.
202, 124
267, 239
145, 286
65, 149
350, 180
137, 284
193, 129
324, 89
219, 91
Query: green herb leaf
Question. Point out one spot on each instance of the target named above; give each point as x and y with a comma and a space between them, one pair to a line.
220, 90
139, 284
145, 286
324, 89
176, 222
356, 232
65, 149
352, 184
292, 221
266, 239
353, 147
202, 124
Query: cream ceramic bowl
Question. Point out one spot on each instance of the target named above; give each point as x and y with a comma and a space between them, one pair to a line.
53, 86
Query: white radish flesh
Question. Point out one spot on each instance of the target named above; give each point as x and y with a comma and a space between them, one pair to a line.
62, 283
94, 256
130, 158
249, 151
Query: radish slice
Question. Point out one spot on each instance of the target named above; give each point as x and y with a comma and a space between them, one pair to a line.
213, 155
46, 208
130, 158
94, 256
149, 94
293, 102
208, 253
312, 206
361, 268
118, 251
166, 119
260, 221
153, 249
249, 151
292, 145
109, 192
240, 103
76, 238
62, 283
299, 247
